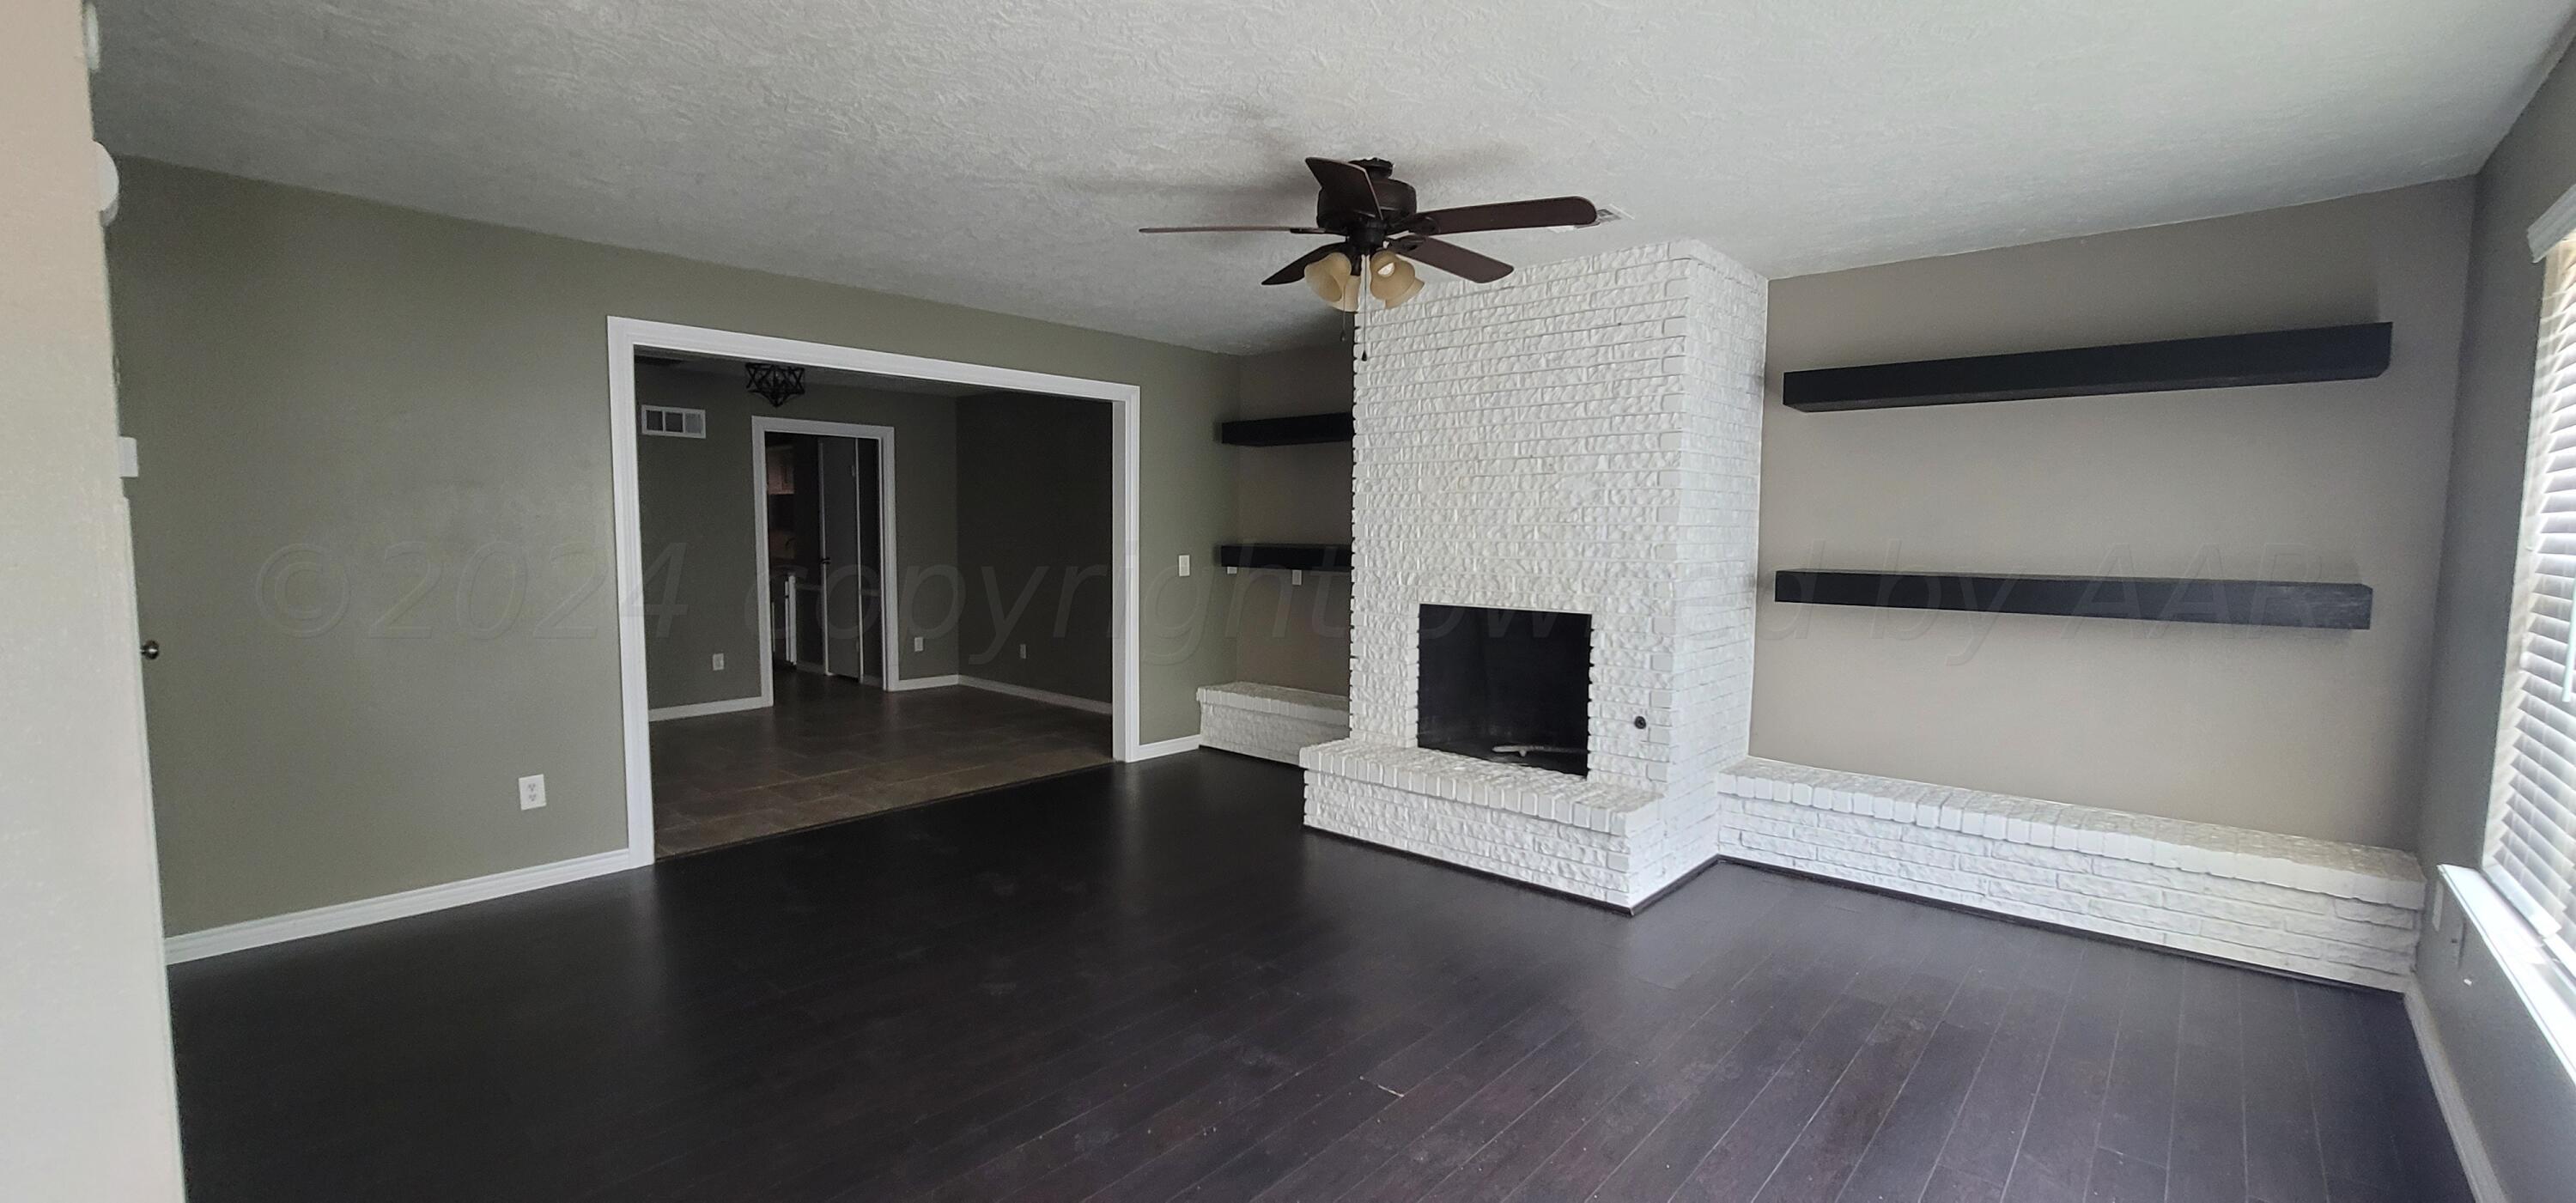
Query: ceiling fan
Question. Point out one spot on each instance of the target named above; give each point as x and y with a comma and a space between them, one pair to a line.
1381, 234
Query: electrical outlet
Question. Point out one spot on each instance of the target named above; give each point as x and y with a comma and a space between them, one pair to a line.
718, 658
916, 643
532, 792
1024, 651
1185, 564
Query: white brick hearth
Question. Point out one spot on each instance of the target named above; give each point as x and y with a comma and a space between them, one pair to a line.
2345, 912
1580, 437
1273, 722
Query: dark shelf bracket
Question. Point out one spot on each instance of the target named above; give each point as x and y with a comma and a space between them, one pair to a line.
2333, 607
2227, 361
1287, 432
1295, 557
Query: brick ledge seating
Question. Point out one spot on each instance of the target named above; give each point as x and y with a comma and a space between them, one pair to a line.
2345, 912
1269, 721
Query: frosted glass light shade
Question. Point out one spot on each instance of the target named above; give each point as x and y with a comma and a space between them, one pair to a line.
1333, 282
1392, 279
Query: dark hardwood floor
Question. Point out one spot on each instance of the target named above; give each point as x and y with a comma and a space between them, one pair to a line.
1147, 982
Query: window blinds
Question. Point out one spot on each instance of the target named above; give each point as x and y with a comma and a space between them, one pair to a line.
2531, 838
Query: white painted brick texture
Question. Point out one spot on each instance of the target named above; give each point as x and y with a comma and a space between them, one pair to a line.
2344, 912
1581, 437
1273, 722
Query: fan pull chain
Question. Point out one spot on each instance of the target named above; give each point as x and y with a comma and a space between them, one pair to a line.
1357, 338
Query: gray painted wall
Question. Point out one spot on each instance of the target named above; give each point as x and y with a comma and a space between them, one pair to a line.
1033, 537
86, 1106
696, 498
2310, 733
1297, 635
2520, 1092
339, 398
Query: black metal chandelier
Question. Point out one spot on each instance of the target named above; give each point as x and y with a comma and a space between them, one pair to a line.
776, 381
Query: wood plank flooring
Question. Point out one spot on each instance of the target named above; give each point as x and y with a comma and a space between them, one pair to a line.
1147, 982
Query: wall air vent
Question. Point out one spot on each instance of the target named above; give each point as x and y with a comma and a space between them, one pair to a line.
675, 423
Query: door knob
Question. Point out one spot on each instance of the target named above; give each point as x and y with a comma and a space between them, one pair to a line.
151, 649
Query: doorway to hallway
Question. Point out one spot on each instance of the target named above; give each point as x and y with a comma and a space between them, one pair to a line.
824, 502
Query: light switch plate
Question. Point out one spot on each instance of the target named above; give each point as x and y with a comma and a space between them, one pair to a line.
1185, 564
718, 660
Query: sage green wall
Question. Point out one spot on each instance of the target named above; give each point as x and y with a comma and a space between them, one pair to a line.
696, 497
2311, 733
87, 1109
344, 404
2522, 1094
1298, 635
1033, 487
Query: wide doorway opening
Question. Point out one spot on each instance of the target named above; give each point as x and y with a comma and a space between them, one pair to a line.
856, 591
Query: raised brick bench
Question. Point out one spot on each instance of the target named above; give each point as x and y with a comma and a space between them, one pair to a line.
2345, 912
1269, 721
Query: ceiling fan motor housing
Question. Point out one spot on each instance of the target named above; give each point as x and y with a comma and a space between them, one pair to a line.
1395, 205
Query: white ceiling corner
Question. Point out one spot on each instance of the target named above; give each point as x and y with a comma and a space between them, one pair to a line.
999, 155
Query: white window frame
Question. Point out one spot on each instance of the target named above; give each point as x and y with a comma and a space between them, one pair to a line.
2529, 852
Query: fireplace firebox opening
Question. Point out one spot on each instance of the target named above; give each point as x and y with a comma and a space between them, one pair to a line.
1510, 686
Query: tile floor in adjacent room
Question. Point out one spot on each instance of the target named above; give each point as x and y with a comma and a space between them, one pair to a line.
833, 749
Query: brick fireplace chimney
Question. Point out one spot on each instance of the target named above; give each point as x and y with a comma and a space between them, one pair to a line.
1582, 438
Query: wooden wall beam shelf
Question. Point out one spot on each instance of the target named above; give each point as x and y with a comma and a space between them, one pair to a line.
1296, 557
2334, 607
1287, 432
2227, 361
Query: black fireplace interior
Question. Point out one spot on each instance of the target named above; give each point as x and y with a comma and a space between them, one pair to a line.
1511, 686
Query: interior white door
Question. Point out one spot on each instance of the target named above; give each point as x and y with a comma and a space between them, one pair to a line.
869, 473
845, 574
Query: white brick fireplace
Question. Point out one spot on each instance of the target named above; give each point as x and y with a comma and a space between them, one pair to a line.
1584, 438
1581, 438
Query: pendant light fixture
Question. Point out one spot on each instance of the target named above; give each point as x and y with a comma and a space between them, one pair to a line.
775, 382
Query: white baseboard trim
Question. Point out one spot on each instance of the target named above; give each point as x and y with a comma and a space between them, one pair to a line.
2481, 1171
1167, 747
901, 684
1048, 696
256, 933
702, 709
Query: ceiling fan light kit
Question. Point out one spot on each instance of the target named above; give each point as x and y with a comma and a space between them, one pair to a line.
1372, 213
1392, 279
1335, 282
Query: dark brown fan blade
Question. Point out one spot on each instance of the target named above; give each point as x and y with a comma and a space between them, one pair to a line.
1346, 185
1454, 259
1297, 270
1231, 230
1508, 215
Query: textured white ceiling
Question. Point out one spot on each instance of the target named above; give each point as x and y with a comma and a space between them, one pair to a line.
999, 154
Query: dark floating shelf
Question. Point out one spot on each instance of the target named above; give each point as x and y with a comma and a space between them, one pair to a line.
2227, 361
1287, 432
1296, 557
2154, 599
